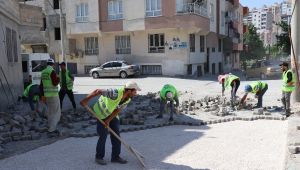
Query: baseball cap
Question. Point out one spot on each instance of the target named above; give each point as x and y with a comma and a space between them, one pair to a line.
248, 88
132, 85
284, 64
50, 60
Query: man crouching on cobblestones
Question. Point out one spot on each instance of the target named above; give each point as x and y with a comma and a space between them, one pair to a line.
110, 102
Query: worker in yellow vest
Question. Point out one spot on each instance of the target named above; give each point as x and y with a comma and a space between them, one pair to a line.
257, 88
227, 81
66, 85
288, 86
49, 92
106, 108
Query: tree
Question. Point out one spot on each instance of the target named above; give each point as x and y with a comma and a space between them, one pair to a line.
283, 40
255, 48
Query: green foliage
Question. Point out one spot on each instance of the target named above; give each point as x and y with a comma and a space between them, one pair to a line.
283, 41
255, 46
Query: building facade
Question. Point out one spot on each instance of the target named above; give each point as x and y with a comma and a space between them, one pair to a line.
11, 79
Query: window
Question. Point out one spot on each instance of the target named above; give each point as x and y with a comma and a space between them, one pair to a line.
107, 65
38, 65
56, 4
57, 34
25, 66
213, 49
122, 44
115, 9
44, 24
156, 43
202, 43
116, 64
192, 42
153, 8
220, 45
82, 12
11, 45
211, 12
91, 45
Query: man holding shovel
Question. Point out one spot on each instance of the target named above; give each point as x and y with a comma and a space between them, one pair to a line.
107, 108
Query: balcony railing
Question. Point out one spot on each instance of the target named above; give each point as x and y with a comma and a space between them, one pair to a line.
192, 8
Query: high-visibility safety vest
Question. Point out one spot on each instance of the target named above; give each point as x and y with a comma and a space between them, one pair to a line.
26, 92
105, 106
285, 86
229, 79
168, 88
49, 89
69, 80
257, 86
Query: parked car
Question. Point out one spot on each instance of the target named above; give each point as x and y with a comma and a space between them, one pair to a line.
263, 69
115, 69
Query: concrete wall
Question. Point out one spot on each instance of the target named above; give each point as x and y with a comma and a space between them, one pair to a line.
139, 50
134, 13
92, 26
214, 57
222, 9
9, 18
213, 20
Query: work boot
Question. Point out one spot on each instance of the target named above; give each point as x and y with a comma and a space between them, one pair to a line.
100, 161
159, 117
55, 133
171, 119
118, 160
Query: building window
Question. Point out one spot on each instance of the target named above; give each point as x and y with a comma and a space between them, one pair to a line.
213, 49
91, 46
156, 43
122, 44
211, 12
192, 42
220, 45
82, 12
115, 9
56, 4
57, 34
11, 45
202, 43
153, 8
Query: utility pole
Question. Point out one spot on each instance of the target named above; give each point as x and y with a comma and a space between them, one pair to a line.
295, 35
61, 33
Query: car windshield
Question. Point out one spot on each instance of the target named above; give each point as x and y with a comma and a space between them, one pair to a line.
125, 62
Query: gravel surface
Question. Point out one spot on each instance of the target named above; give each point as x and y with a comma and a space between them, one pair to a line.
233, 145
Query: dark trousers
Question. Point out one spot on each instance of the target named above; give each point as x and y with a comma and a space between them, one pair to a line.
260, 96
116, 144
235, 85
164, 104
70, 94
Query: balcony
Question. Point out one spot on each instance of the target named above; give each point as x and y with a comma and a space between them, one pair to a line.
192, 9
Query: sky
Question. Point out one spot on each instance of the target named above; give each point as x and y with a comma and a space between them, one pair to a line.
257, 3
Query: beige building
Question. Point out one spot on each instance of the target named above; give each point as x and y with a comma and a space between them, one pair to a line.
10, 61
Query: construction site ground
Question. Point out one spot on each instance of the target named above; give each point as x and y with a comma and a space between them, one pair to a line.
239, 141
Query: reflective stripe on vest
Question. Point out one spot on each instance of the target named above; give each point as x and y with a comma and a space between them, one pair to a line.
168, 88
49, 89
256, 86
105, 106
69, 80
229, 79
285, 86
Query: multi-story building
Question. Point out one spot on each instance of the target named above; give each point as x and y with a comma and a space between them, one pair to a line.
233, 43
161, 34
261, 18
11, 79
286, 11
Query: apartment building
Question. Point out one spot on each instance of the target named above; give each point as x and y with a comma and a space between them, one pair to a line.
10, 61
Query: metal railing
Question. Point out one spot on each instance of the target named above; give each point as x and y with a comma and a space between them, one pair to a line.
192, 8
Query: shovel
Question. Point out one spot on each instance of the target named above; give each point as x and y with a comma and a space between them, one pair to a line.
131, 150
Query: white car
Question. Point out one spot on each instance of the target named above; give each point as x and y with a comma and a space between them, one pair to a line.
115, 69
